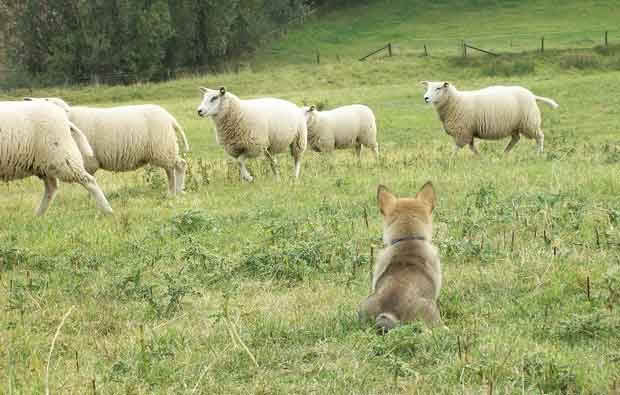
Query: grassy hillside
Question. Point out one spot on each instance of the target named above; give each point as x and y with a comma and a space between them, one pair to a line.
502, 25
239, 288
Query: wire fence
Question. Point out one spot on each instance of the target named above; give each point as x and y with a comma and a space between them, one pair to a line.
475, 45
508, 43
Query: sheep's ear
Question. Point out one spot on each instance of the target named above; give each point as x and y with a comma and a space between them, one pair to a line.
203, 89
424, 83
427, 195
446, 84
386, 200
27, 98
222, 91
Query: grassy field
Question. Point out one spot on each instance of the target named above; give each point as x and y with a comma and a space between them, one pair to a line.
501, 25
239, 288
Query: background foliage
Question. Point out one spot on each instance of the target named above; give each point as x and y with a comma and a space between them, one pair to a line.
101, 40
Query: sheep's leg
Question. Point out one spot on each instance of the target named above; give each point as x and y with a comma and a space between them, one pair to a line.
51, 187
456, 149
245, 174
514, 140
473, 148
375, 151
297, 167
358, 152
297, 153
91, 186
540, 139
179, 172
273, 163
170, 173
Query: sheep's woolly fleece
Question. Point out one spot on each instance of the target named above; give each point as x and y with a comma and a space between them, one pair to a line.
37, 139
128, 137
250, 128
343, 127
492, 113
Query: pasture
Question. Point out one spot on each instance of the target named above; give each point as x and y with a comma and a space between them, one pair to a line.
237, 288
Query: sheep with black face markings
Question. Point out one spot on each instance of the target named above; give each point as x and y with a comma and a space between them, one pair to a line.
250, 128
37, 139
492, 113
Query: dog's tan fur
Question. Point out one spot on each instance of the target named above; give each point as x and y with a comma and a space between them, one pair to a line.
407, 275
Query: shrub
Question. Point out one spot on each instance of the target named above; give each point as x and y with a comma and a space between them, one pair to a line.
581, 61
508, 67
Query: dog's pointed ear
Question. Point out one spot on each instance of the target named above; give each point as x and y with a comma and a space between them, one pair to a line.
386, 200
203, 89
427, 195
424, 83
312, 108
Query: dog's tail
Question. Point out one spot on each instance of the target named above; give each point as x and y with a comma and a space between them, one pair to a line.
548, 101
385, 322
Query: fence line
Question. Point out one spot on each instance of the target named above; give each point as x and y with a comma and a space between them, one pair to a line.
513, 35
492, 44
388, 47
497, 45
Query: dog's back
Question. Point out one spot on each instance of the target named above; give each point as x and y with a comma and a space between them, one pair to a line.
407, 276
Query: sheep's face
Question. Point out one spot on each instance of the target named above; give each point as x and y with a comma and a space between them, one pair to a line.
211, 102
310, 114
435, 91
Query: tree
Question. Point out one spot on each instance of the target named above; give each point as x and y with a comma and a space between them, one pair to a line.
121, 40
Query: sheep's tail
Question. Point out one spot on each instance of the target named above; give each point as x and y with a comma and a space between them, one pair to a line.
550, 102
179, 130
81, 140
385, 322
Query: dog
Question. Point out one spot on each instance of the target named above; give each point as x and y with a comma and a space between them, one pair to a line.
407, 274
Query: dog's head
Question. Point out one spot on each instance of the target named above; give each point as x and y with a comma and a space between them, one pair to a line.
407, 217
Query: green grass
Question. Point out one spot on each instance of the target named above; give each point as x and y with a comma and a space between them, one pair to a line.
500, 25
168, 293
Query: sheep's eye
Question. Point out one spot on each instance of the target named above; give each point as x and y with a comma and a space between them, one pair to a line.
214, 98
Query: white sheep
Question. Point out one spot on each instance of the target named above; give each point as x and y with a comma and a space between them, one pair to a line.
250, 128
37, 139
492, 113
128, 137
342, 127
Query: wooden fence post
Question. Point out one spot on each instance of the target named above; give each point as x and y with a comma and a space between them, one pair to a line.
542, 44
388, 47
464, 49
318, 58
606, 37
425, 50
